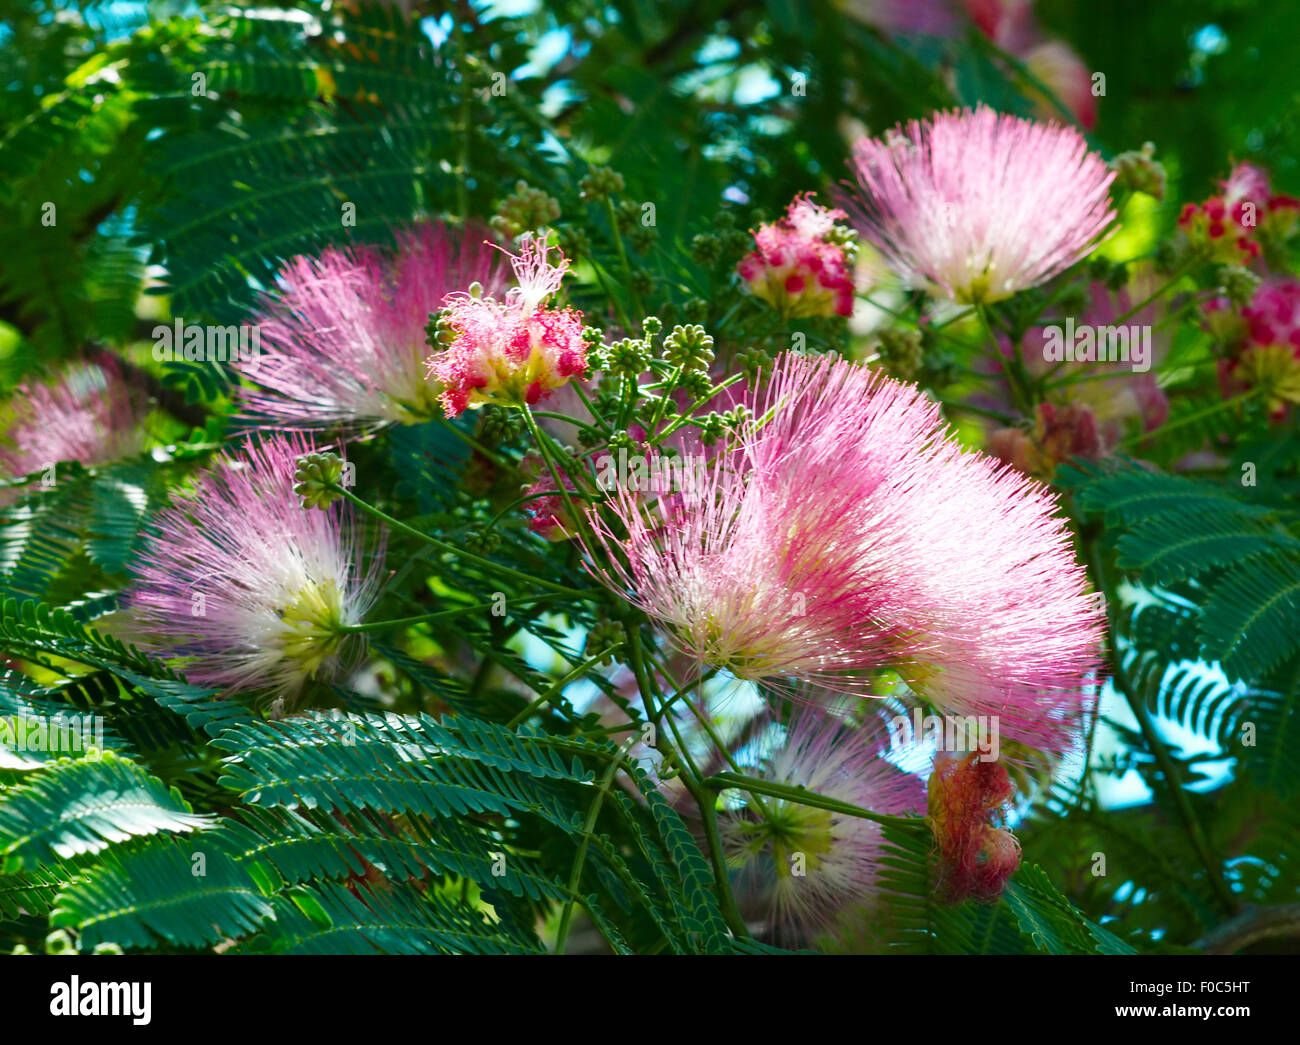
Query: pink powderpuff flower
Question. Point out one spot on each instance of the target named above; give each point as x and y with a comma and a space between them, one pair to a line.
1246, 182
818, 863
1268, 355
512, 351
342, 344
1012, 632
1231, 227
1251, 201
251, 590
1006, 22
973, 206
88, 413
801, 266
850, 531
775, 563
989, 612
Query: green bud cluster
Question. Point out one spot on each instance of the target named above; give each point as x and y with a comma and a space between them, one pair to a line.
482, 541
602, 635
706, 249
1140, 171
600, 183
644, 238
316, 479
438, 332
627, 357
641, 282
524, 210
696, 383
901, 352
501, 427
689, 346
574, 241
1238, 284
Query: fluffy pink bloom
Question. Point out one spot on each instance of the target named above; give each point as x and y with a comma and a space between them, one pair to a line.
88, 413
817, 862
775, 564
512, 351
991, 614
850, 531
974, 206
1268, 353
343, 342
800, 266
1011, 631
246, 586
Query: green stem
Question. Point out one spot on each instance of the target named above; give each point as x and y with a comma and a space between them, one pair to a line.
1190, 418
487, 452
980, 411
451, 549
544, 445
559, 685
1175, 277
575, 875
622, 256
802, 796
726, 754
1017, 374
691, 780
399, 622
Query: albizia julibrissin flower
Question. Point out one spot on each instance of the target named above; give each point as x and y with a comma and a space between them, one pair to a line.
512, 351
850, 531
973, 206
245, 585
817, 862
342, 343
774, 564
801, 265
88, 413
1267, 354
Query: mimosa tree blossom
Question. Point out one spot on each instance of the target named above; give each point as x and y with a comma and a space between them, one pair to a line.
973, 206
776, 565
87, 413
801, 266
819, 862
1267, 355
343, 341
513, 351
249, 589
1232, 225
849, 531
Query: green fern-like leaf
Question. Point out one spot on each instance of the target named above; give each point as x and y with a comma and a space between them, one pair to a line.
185, 895
77, 807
